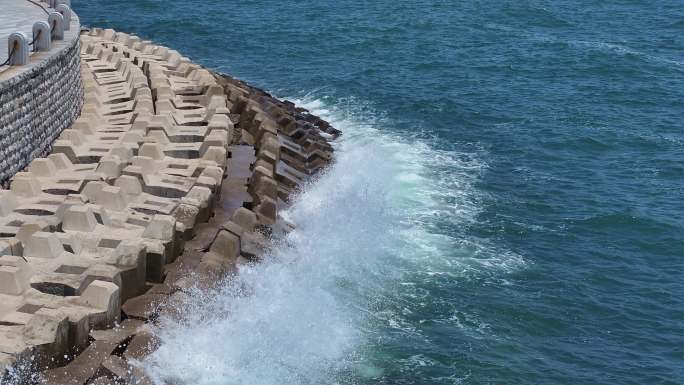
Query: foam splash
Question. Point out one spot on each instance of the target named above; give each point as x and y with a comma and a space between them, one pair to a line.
304, 315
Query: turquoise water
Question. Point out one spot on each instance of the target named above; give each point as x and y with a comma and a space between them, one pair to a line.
506, 207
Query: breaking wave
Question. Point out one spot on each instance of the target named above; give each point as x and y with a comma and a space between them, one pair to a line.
366, 229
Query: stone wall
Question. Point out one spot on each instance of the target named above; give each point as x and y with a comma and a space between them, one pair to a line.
36, 106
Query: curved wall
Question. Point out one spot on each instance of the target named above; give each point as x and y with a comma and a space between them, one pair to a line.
37, 102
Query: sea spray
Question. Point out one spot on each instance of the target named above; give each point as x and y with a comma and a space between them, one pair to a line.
311, 311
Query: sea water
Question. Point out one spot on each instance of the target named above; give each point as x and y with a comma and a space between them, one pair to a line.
505, 206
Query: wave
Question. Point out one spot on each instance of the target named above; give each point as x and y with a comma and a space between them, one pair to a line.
386, 210
622, 50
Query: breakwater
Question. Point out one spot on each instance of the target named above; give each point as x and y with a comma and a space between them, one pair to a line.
170, 177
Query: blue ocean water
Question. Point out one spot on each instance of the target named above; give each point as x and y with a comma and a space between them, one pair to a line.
506, 207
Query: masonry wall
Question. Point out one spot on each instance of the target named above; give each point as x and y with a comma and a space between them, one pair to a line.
35, 106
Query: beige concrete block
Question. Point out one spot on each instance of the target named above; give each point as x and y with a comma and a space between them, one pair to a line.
151, 150
65, 147
212, 267
61, 161
266, 187
267, 211
111, 197
140, 124
266, 127
268, 157
187, 215
17, 246
215, 139
220, 122
165, 92
110, 166
117, 368
216, 154
158, 136
270, 143
86, 124
233, 227
214, 172
15, 275
92, 190
253, 245
179, 243
28, 229
264, 164
208, 182
129, 185
244, 218
143, 105
73, 136
161, 227
43, 167
25, 184
260, 170
146, 164
227, 245
71, 200
103, 214
131, 254
132, 137
100, 295
164, 107
15, 318
158, 255
43, 245
124, 151
198, 195
48, 332
8, 202
246, 137
79, 218
71, 241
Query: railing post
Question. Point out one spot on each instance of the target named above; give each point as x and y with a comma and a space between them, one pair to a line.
42, 40
65, 11
17, 49
56, 21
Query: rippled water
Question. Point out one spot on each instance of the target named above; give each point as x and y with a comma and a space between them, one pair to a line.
506, 207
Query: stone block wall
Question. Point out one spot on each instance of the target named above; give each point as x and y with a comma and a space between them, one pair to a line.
36, 106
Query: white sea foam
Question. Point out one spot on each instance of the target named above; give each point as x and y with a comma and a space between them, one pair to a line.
304, 314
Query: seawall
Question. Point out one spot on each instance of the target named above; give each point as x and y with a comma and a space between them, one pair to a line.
39, 100
170, 178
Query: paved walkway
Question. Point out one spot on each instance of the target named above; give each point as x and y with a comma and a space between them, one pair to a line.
17, 15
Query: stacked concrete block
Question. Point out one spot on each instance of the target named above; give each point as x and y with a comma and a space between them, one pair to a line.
164, 154
85, 230
291, 145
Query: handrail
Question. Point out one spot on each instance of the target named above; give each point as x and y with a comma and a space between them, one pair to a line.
35, 38
53, 26
9, 57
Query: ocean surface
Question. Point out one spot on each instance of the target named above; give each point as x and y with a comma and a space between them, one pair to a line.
506, 206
